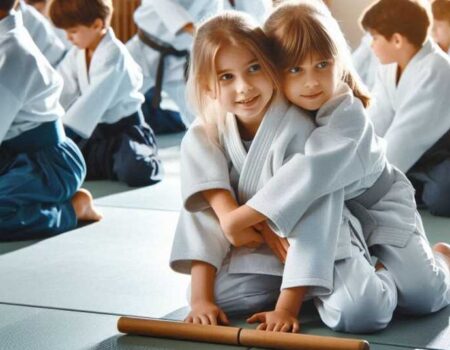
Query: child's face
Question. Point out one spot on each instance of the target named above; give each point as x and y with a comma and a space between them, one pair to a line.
83, 36
310, 84
244, 89
441, 33
382, 48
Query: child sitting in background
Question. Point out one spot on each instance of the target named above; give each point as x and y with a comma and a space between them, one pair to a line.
441, 23
41, 170
410, 110
102, 98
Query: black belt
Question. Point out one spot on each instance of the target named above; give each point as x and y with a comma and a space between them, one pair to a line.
164, 49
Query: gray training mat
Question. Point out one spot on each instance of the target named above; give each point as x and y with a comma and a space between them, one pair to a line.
119, 265
165, 195
428, 332
36, 328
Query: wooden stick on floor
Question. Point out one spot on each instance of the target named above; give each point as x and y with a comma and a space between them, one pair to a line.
236, 336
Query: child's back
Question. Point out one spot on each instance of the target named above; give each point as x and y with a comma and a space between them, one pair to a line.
34, 149
30, 87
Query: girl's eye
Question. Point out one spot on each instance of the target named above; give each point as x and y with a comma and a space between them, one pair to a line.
254, 68
323, 64
294, 70
226, 76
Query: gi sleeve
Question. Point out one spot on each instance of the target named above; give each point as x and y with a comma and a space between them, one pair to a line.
204, 166
173, 16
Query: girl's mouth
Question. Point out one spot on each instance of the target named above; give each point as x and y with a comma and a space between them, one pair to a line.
313, 95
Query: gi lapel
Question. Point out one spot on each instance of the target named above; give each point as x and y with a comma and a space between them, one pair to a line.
250, 165
82, 70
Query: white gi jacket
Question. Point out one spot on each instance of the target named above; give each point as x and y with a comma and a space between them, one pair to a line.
258, 9
365, 61
106, 93
318, 238
29, 86
164, 20
413, 114
343, 152
43, 33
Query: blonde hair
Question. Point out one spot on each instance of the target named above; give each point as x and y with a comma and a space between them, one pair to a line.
230, 28
298, 29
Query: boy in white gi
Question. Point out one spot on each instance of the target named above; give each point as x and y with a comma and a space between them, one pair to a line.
43, 33
411, 110
343, 152
102, 98
234, 86
441, 23
41, 170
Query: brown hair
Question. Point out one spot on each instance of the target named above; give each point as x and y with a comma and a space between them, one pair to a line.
441, 10
7, 5
230, 28
298, 29
70, 13
409, 18
32, 2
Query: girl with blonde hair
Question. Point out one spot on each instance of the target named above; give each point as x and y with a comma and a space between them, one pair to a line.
246, 133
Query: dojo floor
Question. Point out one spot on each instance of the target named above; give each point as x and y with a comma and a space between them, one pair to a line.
67, 292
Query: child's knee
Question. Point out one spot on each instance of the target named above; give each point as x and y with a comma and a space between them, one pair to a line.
368, 309
364, 315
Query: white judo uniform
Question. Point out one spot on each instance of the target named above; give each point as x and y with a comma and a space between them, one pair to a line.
413, 114
365, 62
106, 92
344, 153
103, 107
165, 20
325, 253
43, 33
413, 117
40, 169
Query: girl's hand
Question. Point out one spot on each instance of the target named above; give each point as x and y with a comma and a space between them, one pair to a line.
276, 321
206, 313
277, 244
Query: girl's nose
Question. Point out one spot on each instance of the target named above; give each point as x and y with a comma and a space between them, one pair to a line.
311, 81
243, 86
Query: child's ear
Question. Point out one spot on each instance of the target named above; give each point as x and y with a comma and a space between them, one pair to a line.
398, 40
98, 24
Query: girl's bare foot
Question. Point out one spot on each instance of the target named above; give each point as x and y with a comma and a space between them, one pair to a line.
444, 250
84, 206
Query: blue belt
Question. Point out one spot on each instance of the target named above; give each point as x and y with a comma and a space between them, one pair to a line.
45, 135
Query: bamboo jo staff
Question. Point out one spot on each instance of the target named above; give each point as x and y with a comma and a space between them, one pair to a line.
235, 336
